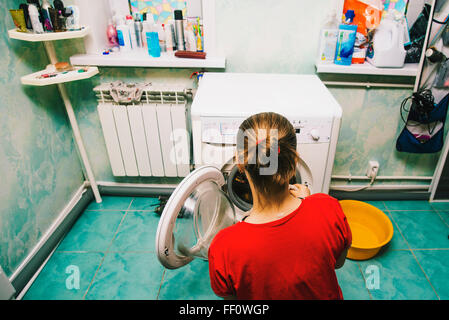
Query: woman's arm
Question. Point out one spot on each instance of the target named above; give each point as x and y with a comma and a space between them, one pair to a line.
341, 260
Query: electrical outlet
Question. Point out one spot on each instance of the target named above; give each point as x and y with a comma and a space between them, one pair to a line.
373, 169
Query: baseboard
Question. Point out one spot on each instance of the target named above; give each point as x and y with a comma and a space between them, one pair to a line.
39, 254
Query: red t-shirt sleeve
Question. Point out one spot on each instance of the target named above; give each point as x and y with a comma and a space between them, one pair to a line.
217, 272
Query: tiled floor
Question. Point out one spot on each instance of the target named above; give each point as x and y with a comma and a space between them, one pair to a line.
111, 249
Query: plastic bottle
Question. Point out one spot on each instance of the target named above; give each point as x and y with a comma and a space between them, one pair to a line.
147, 24
154, 48
162, 39
388, 44
34, 17
328, 39
46, 15
132, 31
345, 40
111, 32
138, 28
123, 35
168, 38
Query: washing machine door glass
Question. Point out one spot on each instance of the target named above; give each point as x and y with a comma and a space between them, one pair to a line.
196, 211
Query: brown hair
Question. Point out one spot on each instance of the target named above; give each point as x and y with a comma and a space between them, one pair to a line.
265, 140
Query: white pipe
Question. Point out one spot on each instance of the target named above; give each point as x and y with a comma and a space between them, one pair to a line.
136, 185
349, 177
368, 84
381, 187
76, 131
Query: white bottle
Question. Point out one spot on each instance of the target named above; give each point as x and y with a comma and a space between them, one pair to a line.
388, 44
147, 25
132, 31
123, 35
162, 39
328, 39
34, 17
170, 39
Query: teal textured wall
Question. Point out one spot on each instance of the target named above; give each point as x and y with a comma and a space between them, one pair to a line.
39, 165
266, 36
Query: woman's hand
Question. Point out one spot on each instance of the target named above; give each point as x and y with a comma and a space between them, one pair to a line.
299, 191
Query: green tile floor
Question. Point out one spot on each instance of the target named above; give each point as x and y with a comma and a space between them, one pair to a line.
110, 249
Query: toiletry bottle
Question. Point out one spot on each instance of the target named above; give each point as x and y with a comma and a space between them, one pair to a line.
161, 35
147, 24
179, 27
34, 17
111, 32
132, 31
345, 40
73, 21
138, 28
170, 35
168, 38
328, 39
154, 49
46, 15
123, 35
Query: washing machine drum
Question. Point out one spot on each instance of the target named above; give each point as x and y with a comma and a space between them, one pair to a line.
239, 190
196, 211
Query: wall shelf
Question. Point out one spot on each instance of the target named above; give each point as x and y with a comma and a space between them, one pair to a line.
33, 80
140, 58
409, 69
48, 36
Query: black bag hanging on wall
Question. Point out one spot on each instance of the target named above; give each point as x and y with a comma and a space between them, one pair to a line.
424, 128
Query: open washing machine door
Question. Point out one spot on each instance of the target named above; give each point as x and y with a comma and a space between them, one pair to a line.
195, 212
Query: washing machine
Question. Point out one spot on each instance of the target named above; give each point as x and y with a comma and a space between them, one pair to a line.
215, 195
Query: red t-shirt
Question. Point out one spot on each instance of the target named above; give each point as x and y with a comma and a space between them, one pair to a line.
290, 258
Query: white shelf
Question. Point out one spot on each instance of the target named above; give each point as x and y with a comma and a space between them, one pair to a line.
33, 80
141, 58
48, 36
409, 69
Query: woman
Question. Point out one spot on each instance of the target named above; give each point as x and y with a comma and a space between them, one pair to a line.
287, 247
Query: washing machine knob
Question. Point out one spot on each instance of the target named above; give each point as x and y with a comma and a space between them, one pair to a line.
315, 134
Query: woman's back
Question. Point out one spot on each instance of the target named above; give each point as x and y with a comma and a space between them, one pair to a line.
290, 258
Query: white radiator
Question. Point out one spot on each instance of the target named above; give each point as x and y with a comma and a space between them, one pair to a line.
150, 138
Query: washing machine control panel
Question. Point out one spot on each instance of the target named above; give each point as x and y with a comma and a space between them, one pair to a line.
224, 130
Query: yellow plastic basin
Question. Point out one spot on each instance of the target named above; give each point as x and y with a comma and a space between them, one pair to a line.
371, 229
